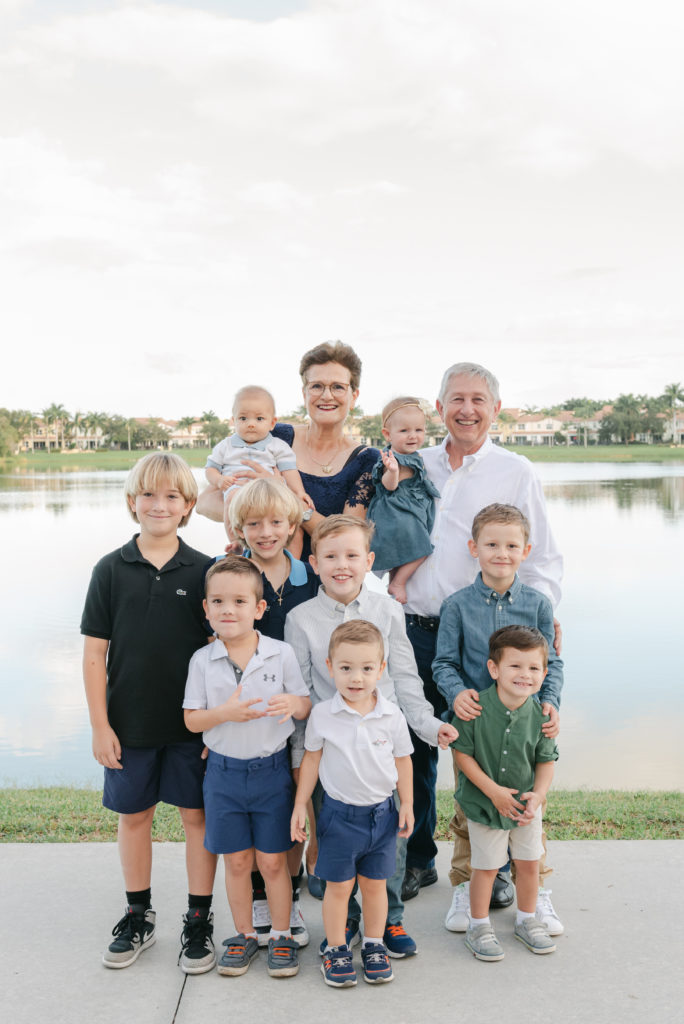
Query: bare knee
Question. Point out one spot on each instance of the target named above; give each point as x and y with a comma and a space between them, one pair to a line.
135, 822
192, 817
239, 863
271, 865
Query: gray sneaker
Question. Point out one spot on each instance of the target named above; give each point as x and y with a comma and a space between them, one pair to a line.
282, 957
133, 933
483, 943
238, 955
534, 934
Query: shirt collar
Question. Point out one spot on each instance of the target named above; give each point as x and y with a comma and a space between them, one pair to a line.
489, 594
332, 606
468, 460
503, 712
237, 442
266, 648
298, 574
130, 552
382, 706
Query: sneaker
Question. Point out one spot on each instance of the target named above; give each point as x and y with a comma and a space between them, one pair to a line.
240, 951
197, 953
261, 921
534, 934
298, 925
397, 943
352, 936
458, 914
546, 914
338, 968
376, 966
282, 957
133, 933
483, 943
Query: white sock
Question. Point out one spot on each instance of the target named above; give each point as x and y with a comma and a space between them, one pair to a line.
474, 921
521, 915
275, 934
368, 941
250, 935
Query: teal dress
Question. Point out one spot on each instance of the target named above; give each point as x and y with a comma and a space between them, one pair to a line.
403, 518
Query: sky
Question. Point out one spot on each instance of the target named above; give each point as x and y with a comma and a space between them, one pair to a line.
195, 192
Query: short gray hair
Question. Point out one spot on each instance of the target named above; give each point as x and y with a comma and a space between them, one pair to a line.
470, 370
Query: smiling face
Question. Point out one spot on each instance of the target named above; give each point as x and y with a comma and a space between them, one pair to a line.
253, 418
518, 675
356, 669
332, 405
266, 536
500, 548
231, 605
405, 430
342, 561
159, 511
467, 410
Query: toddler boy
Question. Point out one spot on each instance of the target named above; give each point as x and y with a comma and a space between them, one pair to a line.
341, 556
497, 598
505, 765
242, 693
142, 622
358, 742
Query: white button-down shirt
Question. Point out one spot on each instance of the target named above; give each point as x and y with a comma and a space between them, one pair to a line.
358, 760
490, 474
212, 679
308, 628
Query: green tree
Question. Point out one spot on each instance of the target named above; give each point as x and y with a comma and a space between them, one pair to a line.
9, 436
57, 416
673, 397
213, 427
370, 428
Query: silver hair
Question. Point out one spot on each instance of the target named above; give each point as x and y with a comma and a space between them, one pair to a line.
470, 370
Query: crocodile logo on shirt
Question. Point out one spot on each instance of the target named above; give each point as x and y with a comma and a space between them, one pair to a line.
182, 593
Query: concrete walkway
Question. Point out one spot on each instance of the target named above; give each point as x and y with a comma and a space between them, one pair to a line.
621, 958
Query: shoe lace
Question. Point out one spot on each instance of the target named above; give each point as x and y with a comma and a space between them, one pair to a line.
544, 904
234, 948
282, 950
129, 926
397, 931
196, 931
377, 957
342, 958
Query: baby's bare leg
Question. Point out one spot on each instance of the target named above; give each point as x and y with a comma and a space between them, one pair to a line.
210, 504
400, 577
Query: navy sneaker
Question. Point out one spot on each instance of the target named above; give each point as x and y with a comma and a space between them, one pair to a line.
282, 957
376, 966
133, 933
352, 936
239, 953
397, 942
337, 967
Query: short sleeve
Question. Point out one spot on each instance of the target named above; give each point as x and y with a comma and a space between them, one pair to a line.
546, 749
293, 680
466, 737
401, 739
96, 620
195, 689
312, 738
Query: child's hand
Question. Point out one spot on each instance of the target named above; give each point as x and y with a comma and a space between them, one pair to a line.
467, 705
390, 478
298, 824
505, 802
106, 747
406, 819
284, 704
446, 735
533, 801
552, 727
226, 481
236, 710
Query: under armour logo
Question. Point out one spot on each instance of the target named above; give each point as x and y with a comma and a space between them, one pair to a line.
266, 678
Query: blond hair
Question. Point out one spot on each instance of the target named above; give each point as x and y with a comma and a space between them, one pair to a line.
263, 497
155, 472
253, 391
356, 631
400, 403
332, 525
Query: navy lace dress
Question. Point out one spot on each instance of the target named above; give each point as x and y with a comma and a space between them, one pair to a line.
351, 486
403, 518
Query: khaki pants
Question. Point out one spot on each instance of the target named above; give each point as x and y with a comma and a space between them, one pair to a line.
460, 858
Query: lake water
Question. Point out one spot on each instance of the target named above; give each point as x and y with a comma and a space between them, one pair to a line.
620, 527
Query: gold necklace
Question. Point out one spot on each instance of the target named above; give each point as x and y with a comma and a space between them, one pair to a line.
325, 466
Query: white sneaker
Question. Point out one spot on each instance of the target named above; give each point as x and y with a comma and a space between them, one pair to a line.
261, 921
458, 915
545, 913
298, 925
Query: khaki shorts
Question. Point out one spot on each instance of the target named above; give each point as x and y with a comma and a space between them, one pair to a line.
489, 846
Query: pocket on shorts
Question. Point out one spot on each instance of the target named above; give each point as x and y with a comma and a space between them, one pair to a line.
325, 820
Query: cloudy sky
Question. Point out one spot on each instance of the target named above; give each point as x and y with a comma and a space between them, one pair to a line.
193, 192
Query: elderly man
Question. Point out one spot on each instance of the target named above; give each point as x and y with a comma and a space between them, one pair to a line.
470, 472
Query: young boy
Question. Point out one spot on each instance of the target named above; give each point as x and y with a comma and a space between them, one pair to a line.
500, 540
358, 742
341, 556
505, 765
253, 418
242, 693
142, 622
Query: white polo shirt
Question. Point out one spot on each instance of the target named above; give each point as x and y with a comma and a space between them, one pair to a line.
213, 678
271, 451
357, 765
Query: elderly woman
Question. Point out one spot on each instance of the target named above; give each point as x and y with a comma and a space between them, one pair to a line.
336, 474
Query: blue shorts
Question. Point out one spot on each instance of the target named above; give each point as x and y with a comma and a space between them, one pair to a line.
356, 840
248, 803
172, 774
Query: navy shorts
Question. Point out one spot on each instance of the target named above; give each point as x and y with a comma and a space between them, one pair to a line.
172, 774
248, 803
356, 840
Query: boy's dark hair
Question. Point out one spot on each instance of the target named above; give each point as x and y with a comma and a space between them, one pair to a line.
239, 566
333, 525
332, 352
520, 638
498, 513
356, 631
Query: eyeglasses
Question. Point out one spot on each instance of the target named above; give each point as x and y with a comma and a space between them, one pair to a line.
316, 389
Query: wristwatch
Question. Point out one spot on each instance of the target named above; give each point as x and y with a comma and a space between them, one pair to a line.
306, 516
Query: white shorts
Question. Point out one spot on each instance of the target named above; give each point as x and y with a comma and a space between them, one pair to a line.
489, 846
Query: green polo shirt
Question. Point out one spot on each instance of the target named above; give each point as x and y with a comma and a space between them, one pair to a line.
154, 622
507, 745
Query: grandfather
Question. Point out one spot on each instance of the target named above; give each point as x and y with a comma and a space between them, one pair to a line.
470, 472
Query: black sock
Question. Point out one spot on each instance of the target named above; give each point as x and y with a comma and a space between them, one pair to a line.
143, 898
258, 886
297, 883
199, 903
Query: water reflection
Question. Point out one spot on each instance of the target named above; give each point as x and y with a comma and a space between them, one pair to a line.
621, 529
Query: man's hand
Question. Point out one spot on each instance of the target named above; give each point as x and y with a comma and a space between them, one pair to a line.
106, 747
552, 727
557, 637
446, 735
406, 819
467, 705
236, 710
505, 802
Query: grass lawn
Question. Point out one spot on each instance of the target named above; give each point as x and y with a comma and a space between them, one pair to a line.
63, 815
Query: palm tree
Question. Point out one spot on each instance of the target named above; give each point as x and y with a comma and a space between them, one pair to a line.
186, 423
56, 414
673, 394
97, 421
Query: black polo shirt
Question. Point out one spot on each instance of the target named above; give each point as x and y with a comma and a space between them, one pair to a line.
154, 622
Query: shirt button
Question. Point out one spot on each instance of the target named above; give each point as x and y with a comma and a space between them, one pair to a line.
505, 751
157, 577
508, 712
503, 769
508, 730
